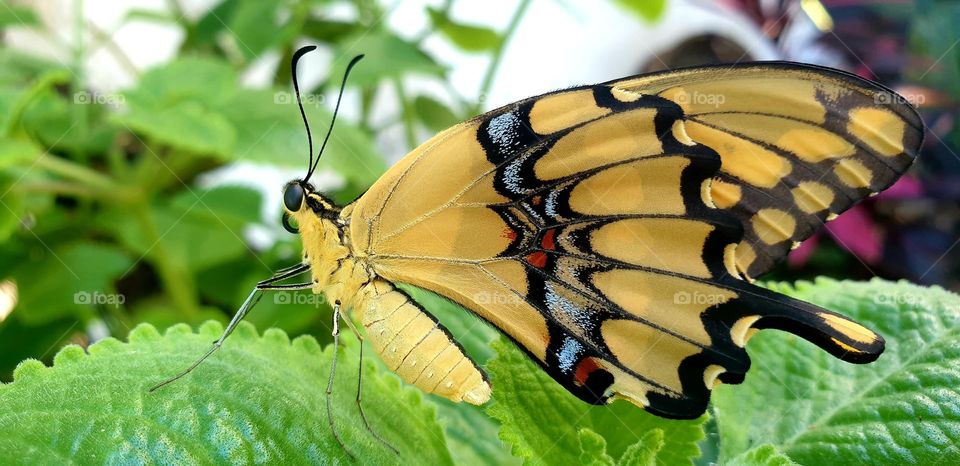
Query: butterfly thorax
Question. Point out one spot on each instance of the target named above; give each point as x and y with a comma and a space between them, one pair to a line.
336, 271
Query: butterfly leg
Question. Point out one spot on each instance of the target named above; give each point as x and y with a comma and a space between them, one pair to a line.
249, 303
363, 415
333, 370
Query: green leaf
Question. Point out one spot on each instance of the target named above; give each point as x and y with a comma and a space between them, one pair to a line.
650, 10
180, 105
77, 126
816, 409
387, 56
19, 341
593, 449
433, 114
69, 280
17, 151
541, 419
468, 37
19, 68
198, 228
646, 451
472, 434
258, 400
184, 125
255, 27
14, 16
209, 26
764, 455
269, 129
328, 31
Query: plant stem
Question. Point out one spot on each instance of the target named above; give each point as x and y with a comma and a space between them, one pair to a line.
409, 125
59, 188
488, 77
177, 282
77, 172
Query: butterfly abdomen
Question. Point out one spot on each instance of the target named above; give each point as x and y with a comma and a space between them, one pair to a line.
416, 347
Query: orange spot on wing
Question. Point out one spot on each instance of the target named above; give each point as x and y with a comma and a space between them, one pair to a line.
535, 200
548, 239
537, 259
509, 234
584, 369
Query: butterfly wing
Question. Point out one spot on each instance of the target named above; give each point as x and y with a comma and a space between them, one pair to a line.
597, 227
799, 145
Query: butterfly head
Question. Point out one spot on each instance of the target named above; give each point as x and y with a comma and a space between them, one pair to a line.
304, 204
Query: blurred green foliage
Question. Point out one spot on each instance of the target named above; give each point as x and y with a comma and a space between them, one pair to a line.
99, 191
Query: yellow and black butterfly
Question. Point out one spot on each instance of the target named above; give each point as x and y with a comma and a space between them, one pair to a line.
618, 227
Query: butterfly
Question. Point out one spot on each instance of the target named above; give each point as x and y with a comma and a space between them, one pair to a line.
613, 231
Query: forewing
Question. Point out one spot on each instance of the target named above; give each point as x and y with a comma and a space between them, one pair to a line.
799, 145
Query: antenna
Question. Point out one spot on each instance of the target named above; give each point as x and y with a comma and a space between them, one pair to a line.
296, 90
343, 84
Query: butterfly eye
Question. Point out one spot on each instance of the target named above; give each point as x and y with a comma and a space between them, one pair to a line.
287, 225
293, 197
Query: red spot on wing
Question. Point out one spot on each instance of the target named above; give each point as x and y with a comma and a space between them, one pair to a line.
537, 259
548, 240
509, 234
584, 368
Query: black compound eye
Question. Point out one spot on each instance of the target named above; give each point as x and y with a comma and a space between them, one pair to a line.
293, 197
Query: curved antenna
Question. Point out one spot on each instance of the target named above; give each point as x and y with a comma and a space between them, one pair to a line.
296, 90
343, 84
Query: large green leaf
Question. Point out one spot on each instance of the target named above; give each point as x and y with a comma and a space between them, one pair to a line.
903, 408
258, 400
545, 423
